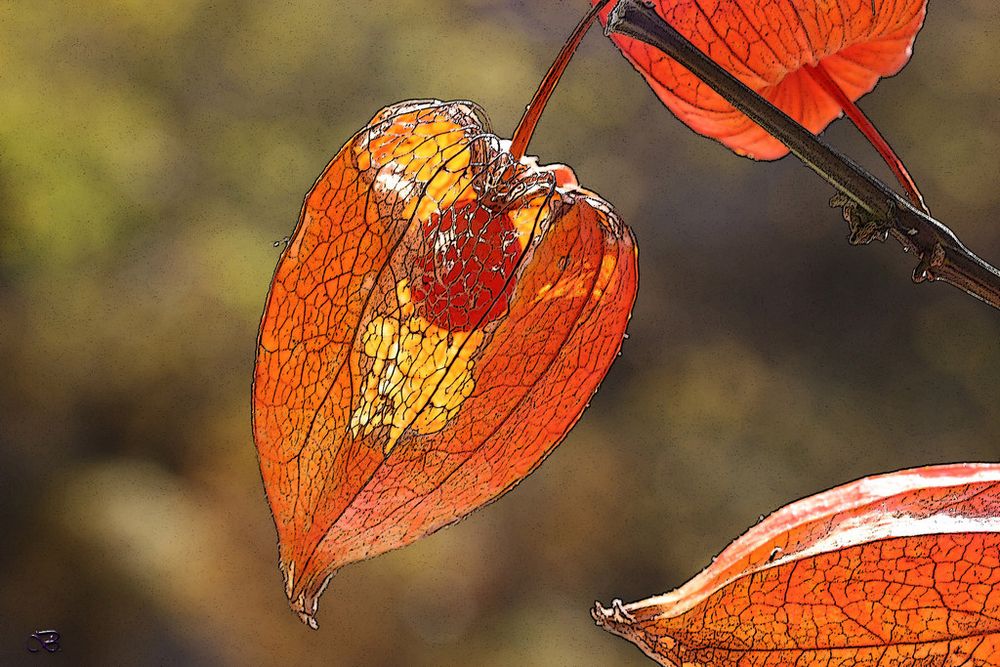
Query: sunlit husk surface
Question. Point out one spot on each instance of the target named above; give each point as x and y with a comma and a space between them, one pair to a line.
766, 44
899, 569
438, 322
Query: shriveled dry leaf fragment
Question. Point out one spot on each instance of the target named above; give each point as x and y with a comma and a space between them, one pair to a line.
769, 45
436, 325
895, 570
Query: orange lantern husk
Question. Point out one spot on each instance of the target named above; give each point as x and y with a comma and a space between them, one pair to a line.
896, 569
811, 59
437, 323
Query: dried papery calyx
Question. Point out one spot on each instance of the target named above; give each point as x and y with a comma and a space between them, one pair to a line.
811, 59
892, 570
442, 315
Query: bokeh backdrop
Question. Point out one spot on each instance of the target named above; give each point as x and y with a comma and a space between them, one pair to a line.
152, 152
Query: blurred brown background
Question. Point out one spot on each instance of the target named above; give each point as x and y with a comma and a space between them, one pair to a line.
152, 152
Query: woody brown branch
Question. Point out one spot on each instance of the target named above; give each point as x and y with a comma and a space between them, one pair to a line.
872, 208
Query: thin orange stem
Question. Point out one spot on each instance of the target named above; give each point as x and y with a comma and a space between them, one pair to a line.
862, 122
526, 126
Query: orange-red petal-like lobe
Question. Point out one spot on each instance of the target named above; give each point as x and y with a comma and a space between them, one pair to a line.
766, 43
437, 323
888, 571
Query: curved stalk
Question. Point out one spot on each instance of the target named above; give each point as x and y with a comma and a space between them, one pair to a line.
533, 112
867, 128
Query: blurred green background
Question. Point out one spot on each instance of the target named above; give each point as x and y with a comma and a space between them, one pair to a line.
152, 152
